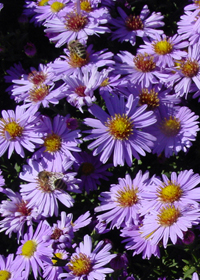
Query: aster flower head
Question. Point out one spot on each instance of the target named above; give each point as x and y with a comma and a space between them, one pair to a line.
140, 69
7, 268
166, 50
90, 170
19, 130
87, 263
34, 251
126, 28
122, 203
47, 184
119, 132
139, 244
16, 214
180, 190
59, 141
175, 130
77, 24
80, 87
169, 222
186, 73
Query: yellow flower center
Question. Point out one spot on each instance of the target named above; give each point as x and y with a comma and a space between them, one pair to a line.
86, 168
43, 3
4, 275
149, 98
38, 93
134, 23
58, 256
170, 193
29, 248
170, 127
57, 6
105, 83
127, 197
85, 6
189, 68
76, 61
75, 22
168, 216
197, 2
37, 78
144, 62
163, 47
120, 126
80, 264
14, 129
52, 143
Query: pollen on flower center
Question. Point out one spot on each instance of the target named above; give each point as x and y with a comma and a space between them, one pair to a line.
80, 264
134, 23
127, 197
85, 6
170, 127
149, 98
14, 129
163, 47
56, 234
144, 62
57, 6
80, 91
38, 93
37, 78
5, 275
52, 143
189, 68
105, 82
23, 209
76, 61
29, 248
58, 256
170, 193
168, 216
120, 126
86, 168
75, 22
43, 3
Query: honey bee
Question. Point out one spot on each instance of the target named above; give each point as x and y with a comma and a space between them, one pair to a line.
75, 47
51, 180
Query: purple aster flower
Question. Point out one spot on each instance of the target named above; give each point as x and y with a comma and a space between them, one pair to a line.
80, 87
120, 132
195, 276
77, 25
59, 140
7, 268
70, 63
18, 130
63, 231
119, 262
140, 69
165, 50
186, 73
30, 49
139, 244
88, 264
188, 237
90, 170
47, 184
34, 251
16, 214
175, 130
55, 266
123, 201
180, 190
72, 123
126, 28
169, 222
1, 6
2, 181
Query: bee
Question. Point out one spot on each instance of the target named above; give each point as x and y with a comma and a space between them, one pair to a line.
51, 180
75, 47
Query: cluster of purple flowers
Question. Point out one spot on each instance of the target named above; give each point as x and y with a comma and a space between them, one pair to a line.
131, 105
